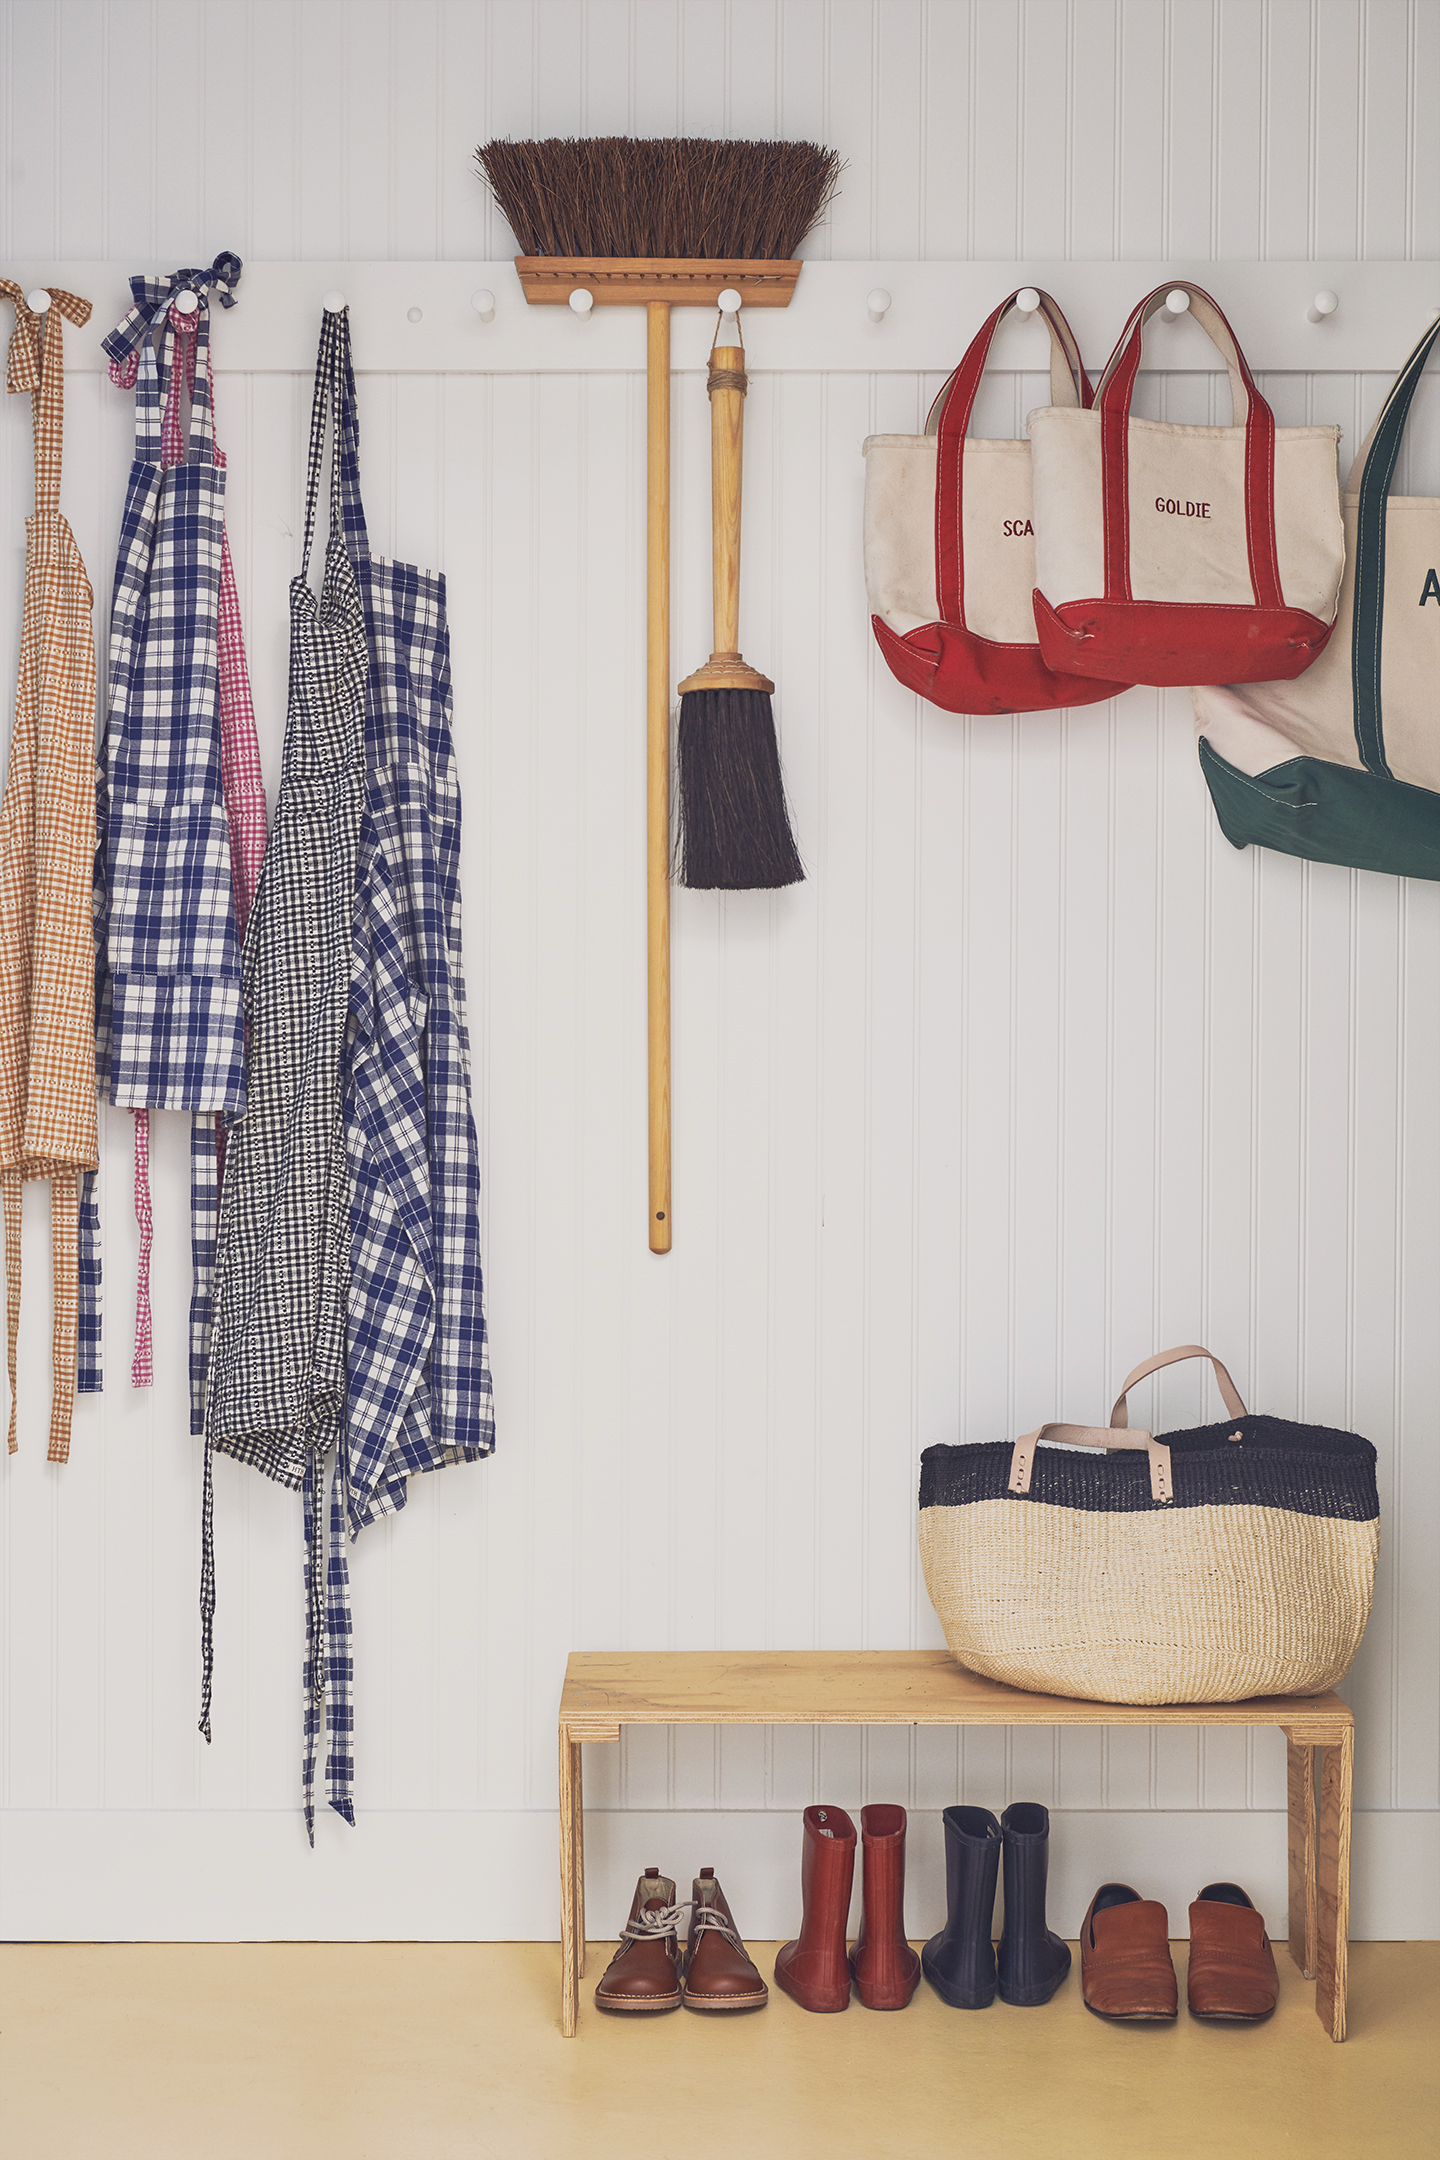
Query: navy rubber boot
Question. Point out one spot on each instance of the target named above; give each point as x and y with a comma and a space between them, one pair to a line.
959, 1962
1033, 1962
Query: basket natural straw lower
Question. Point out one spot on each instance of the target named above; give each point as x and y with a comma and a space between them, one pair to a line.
1192, 1604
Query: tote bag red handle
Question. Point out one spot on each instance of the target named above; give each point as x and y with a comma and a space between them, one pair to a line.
949, 416
1251, 412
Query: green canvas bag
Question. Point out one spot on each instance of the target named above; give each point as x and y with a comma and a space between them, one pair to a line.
1342, 764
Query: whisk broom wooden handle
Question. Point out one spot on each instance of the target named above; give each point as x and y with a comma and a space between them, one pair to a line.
657, 760
726, 669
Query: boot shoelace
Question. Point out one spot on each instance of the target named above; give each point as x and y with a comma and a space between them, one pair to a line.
646, 1925
706, 1916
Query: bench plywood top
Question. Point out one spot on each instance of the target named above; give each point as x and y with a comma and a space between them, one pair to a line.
605, 1689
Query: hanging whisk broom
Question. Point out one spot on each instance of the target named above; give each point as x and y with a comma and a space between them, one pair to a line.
734, 827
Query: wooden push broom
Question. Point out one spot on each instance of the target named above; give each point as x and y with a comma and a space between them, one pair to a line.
666, 223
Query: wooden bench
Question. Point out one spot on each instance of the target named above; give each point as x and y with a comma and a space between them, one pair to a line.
605, 1690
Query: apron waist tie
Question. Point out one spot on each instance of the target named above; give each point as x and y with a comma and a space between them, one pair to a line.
64, 1243
329, 1657
64, 1261
142, 1367
89, 1375
206, 1160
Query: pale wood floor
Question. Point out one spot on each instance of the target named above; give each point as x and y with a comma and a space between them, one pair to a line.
437, 2051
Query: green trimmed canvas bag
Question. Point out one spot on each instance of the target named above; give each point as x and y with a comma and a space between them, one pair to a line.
1204, 1566
1342, 765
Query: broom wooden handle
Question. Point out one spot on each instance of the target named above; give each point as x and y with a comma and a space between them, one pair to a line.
657, 759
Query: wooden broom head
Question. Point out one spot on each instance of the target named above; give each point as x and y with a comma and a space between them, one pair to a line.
660, 196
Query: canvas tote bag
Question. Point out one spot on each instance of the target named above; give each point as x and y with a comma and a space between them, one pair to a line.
1174, 555
1343, 765
1204, 1566
950, 547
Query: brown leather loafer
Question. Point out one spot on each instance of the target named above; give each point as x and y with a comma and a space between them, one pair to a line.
1232, 1967
1125, 1965
644, 1973
719, 1974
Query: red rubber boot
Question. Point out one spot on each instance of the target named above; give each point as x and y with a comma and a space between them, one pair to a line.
886, 1969
814, 1968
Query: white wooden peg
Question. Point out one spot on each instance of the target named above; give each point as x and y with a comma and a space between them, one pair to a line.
729, 301
37, 301
877, 304
484, 305
1324, 303
414, 314
1177, 303
334, 303
186, 303
582, 301
1027, 301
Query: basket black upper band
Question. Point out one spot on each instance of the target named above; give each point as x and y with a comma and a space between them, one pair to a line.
1305, 1469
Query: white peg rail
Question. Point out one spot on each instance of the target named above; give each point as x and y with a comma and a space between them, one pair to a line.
433, 317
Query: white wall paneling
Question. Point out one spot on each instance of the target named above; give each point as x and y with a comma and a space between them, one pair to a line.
1033, 1075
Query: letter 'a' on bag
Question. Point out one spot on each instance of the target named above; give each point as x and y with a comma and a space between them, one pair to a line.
1205, 1566
1179, 555
1343, 765
950, 547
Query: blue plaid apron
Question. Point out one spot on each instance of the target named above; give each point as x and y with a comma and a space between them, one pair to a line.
168, 1020
418, 1390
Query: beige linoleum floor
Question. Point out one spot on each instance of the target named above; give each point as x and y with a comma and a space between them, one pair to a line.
438, 2051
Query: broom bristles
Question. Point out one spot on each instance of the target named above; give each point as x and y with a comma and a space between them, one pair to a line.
734, 827
683, 198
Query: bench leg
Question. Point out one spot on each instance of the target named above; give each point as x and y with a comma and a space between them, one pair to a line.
1336, 1782
1300, 1787
572, 1882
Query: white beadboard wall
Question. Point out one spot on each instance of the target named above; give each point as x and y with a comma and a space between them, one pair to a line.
1033, 1075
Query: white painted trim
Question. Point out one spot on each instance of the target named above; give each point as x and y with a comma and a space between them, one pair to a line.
445, 1876
935, 309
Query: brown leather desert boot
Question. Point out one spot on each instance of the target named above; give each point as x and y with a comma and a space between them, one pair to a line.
719, 1974
1125, 1966
644, 1973
1232, 1967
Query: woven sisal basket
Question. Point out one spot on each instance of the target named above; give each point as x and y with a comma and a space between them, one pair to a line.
1238, 1560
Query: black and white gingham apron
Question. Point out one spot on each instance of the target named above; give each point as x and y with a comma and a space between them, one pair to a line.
277, 1362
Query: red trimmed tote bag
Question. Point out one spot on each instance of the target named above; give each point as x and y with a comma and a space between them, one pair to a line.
950, 548
1177, 555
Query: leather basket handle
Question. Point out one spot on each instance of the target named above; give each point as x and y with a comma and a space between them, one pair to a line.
1022, 1459
1117, 1433
1229, 1393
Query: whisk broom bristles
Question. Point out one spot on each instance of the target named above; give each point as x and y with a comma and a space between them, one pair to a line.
734, 827
660, 196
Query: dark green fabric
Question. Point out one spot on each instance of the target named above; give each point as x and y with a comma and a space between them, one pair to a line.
1365, 644
1327, 813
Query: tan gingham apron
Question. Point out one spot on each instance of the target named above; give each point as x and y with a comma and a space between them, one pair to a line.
47, 848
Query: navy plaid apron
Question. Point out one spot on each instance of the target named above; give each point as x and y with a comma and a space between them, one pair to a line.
168, 1020
418, 1391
